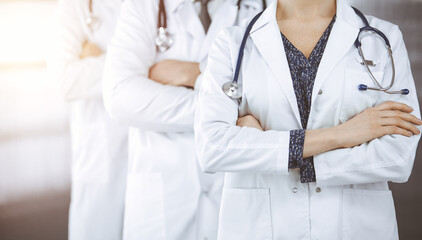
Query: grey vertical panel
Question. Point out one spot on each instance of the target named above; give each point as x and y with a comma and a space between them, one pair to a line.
408, 16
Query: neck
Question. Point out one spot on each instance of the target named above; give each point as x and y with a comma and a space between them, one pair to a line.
305, 9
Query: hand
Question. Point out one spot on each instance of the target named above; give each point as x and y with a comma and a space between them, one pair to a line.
175, 73
89, 49
385, 119
249, 121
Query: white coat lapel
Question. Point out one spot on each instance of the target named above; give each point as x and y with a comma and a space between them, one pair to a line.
342, 37
267, 38
190, 21
224, 17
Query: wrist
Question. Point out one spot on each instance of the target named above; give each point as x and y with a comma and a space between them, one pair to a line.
193, 70
336, 137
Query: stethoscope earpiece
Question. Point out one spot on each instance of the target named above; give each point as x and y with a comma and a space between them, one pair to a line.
404, 91
363, 87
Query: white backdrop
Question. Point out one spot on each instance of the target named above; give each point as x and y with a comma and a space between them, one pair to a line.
34, 141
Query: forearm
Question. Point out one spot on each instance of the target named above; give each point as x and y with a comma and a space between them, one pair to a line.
389, 158
78, 78
140, 102
82, 78
175, 73
319, 141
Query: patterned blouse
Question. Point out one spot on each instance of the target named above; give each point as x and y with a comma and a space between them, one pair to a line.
303, 72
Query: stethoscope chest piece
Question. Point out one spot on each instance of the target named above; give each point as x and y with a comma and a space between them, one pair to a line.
163, 40
232, 90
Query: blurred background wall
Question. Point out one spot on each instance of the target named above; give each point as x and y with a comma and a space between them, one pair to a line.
34, 139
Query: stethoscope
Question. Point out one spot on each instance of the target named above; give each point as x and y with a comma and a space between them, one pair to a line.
92, 21
163, 39
358, 45
234, 90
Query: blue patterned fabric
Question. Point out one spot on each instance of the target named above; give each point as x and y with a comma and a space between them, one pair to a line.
303, 71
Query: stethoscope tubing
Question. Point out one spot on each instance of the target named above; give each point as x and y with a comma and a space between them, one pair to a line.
90, 6
358, 45
232, 88
242, 47
162, 15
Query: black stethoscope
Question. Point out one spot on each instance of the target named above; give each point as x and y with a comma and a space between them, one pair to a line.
358, 45
92, 21
163, 39
234, 90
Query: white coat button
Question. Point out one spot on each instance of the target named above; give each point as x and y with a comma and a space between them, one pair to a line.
318, 189
320, 92
205, 238
294, 190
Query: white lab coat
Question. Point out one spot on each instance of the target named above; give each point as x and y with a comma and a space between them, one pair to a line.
262, 198
99, 144
168, 196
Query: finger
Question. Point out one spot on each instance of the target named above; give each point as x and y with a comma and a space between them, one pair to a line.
399, 123
402, 115
391, 105
388, 130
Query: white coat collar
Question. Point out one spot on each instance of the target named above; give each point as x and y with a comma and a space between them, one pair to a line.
267, 38
344, 13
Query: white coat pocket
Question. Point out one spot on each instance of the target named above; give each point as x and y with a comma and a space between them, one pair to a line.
354, 100
369, 215
245, 214
144, 202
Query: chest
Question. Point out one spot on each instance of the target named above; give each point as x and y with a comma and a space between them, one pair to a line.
187, 34
304, 35
191, 43
335, 95
106, 14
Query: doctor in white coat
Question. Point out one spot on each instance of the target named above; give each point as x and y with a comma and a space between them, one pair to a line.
155, 93
360, 140
99, 144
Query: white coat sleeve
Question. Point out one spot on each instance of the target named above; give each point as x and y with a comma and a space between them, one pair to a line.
79, 78
129, 95
389, 158
221, 145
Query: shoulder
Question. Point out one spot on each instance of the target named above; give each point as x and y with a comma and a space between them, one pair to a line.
228, 40
235, 33
391, 30
383, 25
